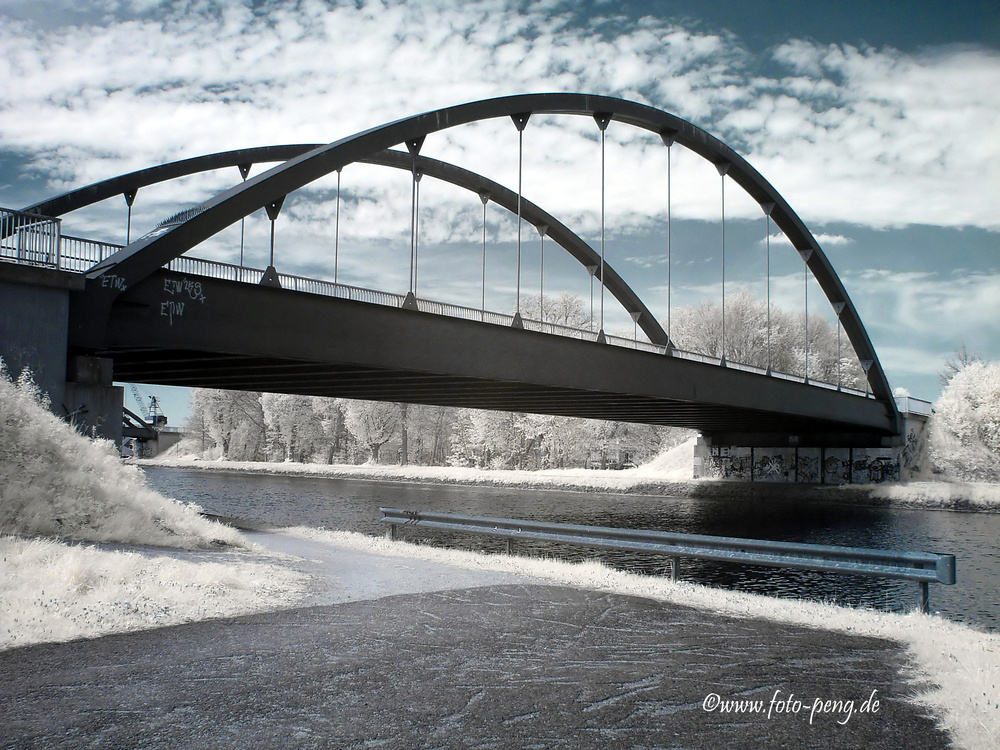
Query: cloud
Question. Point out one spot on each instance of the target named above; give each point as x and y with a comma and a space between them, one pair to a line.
867, 136
823, 239
871, 137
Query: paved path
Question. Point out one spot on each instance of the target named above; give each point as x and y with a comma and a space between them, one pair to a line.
495, 666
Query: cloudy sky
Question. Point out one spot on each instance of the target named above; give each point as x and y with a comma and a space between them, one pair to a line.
878, 123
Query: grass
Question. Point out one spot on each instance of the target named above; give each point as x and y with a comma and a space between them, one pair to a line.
54, 591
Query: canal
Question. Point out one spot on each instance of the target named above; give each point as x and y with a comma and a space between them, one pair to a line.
352, 505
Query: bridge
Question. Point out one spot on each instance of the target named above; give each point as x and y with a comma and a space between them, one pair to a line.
150, 312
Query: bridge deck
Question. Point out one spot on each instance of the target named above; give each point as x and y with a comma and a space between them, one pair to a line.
318, 345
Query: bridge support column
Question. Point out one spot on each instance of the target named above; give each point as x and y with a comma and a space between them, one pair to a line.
824, 459
93, 402
34, 335
34, 325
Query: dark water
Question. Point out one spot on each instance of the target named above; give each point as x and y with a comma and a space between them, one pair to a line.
353, 505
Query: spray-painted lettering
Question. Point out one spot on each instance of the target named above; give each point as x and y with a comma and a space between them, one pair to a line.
110, 281
171, 310
184, 287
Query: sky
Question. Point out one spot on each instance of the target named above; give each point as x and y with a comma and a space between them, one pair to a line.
877, 122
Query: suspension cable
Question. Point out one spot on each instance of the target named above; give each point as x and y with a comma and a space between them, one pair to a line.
723, 168
413, 219
485, 198
768, 208
669, 227
416, 229
806, 254
244, 172
542, 229
520, 122
336, 234
603, 119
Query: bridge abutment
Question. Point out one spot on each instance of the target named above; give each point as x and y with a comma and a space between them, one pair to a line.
818, 459
93, 402
34, 335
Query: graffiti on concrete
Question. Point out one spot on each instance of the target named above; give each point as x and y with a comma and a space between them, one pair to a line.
805, 465
874, 469
808, 468
771, 467
914, 455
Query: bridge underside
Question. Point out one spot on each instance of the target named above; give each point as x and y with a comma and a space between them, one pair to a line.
315, 345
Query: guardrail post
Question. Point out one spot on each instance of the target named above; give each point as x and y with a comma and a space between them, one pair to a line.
924, 597
509, 546
391, 533
674, 564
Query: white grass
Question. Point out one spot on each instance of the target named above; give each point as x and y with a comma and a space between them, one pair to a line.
669, 473
57, 483
949, 495
51, 591
956, 669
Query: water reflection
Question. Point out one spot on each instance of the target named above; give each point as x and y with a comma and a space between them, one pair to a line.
353, 505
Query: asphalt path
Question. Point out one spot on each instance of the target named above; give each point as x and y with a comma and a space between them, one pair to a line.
488, 664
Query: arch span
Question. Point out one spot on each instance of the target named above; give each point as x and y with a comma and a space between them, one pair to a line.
504, 197
143, 257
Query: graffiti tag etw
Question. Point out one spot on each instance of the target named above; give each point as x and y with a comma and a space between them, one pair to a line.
184, 287
171, 310
110, 281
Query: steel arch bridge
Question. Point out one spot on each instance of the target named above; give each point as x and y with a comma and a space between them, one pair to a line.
345, 348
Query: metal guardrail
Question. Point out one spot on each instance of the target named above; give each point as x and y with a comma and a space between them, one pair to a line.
923, 567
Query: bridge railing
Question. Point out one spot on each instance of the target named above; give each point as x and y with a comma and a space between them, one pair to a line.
923, 567
79, 254
36, 240
910, 405
29, 239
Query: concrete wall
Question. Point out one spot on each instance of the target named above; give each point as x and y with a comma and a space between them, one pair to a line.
815, 465
34, 320
34, 332
807, 465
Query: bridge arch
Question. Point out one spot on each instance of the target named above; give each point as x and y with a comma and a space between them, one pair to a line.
144, 256
504, 197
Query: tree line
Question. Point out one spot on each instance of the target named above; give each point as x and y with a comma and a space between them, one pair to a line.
251, 426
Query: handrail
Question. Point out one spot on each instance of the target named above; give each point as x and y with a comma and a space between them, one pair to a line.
78, 255
922, 567
29, 239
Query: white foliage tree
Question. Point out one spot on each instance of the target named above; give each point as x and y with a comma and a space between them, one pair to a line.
779, 340
330, 417
294, 428
230, 422
965, 428
371, 423
564, 310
